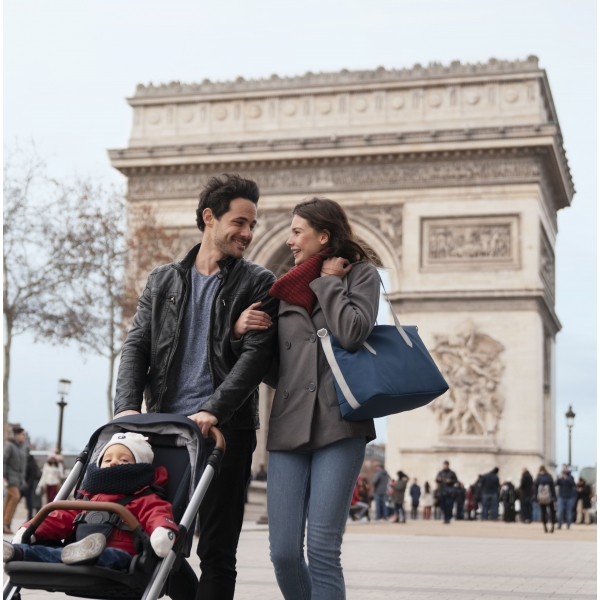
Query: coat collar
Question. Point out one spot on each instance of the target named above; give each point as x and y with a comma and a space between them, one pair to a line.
187, 262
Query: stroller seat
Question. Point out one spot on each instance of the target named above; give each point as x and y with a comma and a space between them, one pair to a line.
178, 446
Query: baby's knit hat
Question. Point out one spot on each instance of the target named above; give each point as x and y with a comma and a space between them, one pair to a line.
136, 442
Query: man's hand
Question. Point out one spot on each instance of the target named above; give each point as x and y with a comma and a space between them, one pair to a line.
126, 413
205, 421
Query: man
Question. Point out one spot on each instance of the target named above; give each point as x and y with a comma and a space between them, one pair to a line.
446, 480
526, 496
183, 357
381, 480
567, 496
415, 495
15, 465
490, 491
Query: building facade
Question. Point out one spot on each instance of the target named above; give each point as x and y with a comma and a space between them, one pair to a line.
454, 176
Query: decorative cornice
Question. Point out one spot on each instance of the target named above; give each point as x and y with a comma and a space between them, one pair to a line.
342, 141
434, 70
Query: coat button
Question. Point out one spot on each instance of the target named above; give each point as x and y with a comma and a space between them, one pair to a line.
285, 394
288, 345
313, 338
312, 387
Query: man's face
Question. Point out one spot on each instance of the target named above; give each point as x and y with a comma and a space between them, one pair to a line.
232, 233
21, 437
446, 465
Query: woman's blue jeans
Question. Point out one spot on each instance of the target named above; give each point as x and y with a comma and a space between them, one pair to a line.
111, 558
316, 486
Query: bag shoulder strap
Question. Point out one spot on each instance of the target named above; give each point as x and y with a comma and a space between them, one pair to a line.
395, 317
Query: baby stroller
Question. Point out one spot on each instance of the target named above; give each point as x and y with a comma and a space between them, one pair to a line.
178, 445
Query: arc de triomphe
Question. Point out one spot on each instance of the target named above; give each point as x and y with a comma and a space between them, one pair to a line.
454, 175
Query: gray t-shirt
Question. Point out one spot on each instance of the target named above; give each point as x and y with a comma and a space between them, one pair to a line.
192, 385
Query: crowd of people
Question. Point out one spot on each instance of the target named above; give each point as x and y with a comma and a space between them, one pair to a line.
24, 479
552, 501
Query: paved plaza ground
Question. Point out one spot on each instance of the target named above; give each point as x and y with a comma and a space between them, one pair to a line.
428, 560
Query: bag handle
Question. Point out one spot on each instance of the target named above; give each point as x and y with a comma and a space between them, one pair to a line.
396, 321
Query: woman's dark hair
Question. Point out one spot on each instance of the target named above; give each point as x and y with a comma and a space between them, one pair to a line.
220, 191
327, 215
427, 488
542, 469
401, 474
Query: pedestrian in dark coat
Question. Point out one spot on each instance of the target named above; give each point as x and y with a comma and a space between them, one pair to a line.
584, 501
32, 477
398, 496
526, 496
545, 494
490, 490
508, 497
15, 465
567, 496
446, 480
415, 495
459, 500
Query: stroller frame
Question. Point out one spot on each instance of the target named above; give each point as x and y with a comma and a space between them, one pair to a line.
156, 584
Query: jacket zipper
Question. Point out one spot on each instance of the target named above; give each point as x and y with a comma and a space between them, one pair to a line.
174, 347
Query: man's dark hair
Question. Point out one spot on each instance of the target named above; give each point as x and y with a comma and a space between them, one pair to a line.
446, 463
495, 470
18, 430
220, 191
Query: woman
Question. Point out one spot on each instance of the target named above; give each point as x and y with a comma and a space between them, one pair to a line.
427, 501
315, 455
52, 476
545, 494
398, 497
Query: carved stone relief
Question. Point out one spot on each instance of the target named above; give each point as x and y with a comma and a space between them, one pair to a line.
547, 263
360, 176
489, 241
470, 362
386, 219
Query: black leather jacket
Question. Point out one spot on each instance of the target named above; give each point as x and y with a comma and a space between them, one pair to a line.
150, 346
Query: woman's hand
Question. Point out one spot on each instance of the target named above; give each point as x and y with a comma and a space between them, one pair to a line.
251, 320
336, 266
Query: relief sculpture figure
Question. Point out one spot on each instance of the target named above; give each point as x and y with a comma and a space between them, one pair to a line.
470, 363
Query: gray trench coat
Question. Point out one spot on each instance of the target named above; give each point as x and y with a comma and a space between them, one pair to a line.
306, 414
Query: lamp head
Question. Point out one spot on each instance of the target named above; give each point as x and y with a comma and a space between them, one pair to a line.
63, 386
570, 416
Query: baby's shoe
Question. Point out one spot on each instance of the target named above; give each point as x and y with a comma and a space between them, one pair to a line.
8, 551
85, 551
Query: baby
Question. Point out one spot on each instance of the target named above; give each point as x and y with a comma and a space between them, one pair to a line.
124, 468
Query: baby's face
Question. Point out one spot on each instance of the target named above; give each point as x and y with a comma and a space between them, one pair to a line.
117, 455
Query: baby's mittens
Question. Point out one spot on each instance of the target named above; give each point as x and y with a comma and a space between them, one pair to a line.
19, 536
162, 540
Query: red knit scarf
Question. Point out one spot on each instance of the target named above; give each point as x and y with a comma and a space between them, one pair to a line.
294, 286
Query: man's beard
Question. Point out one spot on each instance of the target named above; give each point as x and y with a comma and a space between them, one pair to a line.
228, 247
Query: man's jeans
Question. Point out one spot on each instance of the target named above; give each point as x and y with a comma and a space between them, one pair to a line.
565, 505
316, 485
526, 508
111, 558
381, 511
447, 504
398, 508
486, 501
221, 516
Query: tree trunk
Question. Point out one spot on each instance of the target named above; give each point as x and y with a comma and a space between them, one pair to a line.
111, 376
5, 399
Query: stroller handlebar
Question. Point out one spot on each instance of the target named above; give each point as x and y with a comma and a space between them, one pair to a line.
216, 435
78, 505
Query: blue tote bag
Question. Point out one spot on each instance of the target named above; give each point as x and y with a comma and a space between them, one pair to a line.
391, 372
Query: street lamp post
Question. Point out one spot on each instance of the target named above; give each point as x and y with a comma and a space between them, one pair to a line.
570, 416
63, 390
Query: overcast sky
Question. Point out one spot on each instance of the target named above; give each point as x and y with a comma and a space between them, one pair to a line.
69, 65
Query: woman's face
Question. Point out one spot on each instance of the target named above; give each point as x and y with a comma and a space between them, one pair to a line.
304, 241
